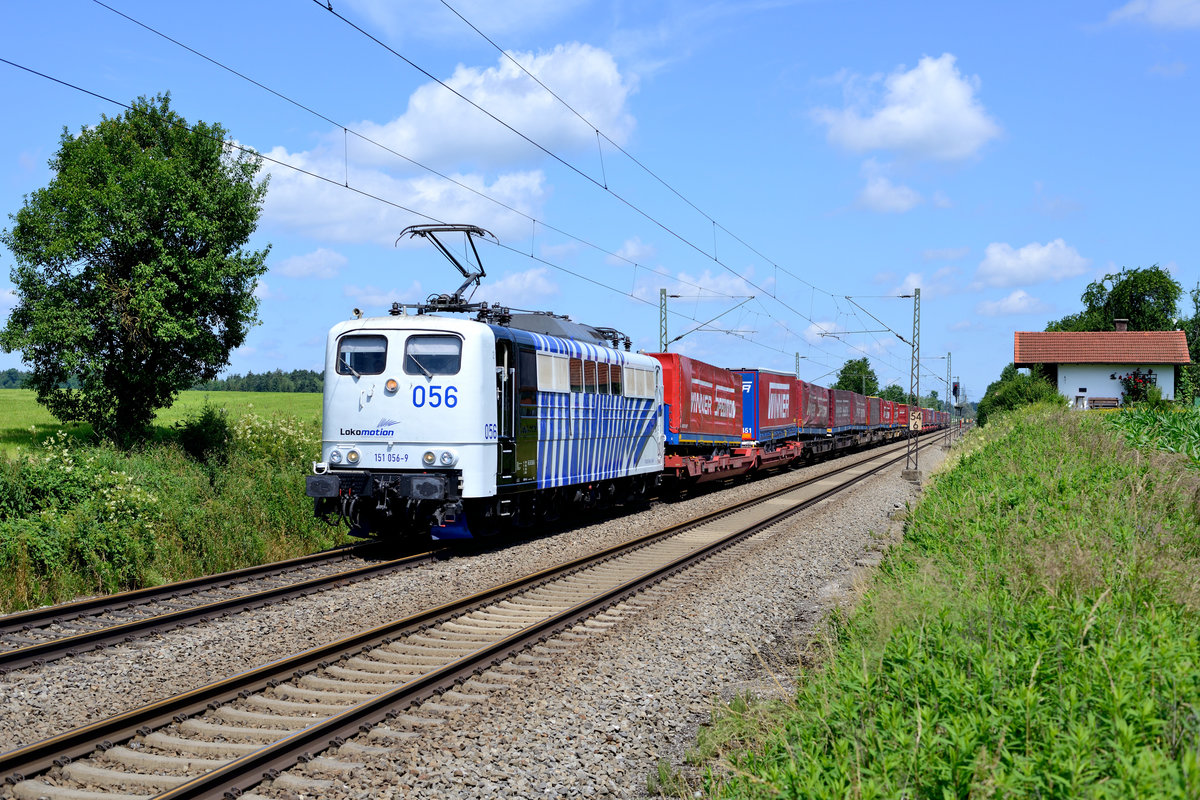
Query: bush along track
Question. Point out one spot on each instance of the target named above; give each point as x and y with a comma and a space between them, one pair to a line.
215, 495
1037, 634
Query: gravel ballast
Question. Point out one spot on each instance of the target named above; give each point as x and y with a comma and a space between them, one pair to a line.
592, 720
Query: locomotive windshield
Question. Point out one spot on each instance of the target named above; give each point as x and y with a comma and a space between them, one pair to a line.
432, 355
361, 355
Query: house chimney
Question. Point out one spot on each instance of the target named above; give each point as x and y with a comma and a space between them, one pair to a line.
1121, 324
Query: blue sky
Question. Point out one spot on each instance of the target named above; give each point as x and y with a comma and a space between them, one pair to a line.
999, 156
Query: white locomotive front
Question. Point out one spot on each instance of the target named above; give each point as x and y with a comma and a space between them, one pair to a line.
434, 424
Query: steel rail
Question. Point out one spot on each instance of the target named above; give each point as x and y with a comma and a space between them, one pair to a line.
266, 763
66, 646
20, 620
44, 652
59, 750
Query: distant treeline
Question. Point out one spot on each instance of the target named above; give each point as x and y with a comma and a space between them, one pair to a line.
298, 380
13, 379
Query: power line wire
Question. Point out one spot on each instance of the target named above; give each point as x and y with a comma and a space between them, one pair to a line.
284, 164
625, 152
348, 130
620, 198
460, 184
345, 183
534, 221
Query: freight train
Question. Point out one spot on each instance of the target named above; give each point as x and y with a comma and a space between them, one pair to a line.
434, 425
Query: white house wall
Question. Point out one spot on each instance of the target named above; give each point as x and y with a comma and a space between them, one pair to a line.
1092, 380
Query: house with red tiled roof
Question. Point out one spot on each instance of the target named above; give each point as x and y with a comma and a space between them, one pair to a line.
1087, 367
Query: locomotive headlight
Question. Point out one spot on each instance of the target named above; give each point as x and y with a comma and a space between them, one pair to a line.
429, 458
447, 458
335, 457
352, 457
391, 386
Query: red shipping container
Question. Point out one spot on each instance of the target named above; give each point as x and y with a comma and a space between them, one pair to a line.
886, 410
874, 412
841, 408
705, 400
814, 405
860, 409
900, 415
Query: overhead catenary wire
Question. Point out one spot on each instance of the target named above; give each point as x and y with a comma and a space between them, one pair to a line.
335, 182
345, 183
590, 179
716, 225
351, 131
626, 153
534, 221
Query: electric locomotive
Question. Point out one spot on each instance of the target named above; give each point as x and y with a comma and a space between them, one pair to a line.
451, 427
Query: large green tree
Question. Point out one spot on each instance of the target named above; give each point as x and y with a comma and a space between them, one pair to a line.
1147, 297
131, 274
856, 375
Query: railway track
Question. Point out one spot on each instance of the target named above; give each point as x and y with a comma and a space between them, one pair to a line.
223, 738
41, 635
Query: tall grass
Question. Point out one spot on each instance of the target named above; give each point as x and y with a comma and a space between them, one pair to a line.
77, 518
1037, 634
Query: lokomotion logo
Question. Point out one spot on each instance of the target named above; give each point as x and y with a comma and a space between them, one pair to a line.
382, 429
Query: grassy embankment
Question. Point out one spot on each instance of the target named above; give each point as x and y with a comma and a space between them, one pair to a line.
80, 518
1037, 634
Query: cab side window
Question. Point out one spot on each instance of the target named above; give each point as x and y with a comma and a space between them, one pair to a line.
432, 355
361, 355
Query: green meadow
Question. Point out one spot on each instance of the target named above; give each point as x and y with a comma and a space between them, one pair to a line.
23, 422
219, 486
1036, 634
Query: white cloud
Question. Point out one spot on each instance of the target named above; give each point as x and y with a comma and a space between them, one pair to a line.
330, 212
442, 130
705, 287
939, 284
262, 291
818, 331
930, 111
441, 127
1174, 69
396, 19
560, 252
1160, 13
524, 289
880, 194
945, 253
320, 263
8, 299
912, 280
634, 250
374, 301
1033, 263
1019, 302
